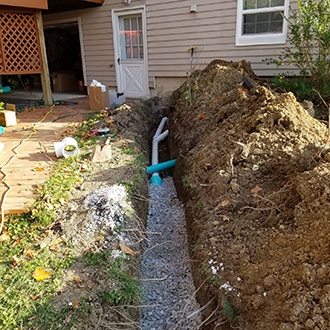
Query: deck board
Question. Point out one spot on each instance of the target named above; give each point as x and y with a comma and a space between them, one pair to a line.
38, 134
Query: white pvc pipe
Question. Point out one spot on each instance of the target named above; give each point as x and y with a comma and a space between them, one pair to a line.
160, 127
60, 150
155, 141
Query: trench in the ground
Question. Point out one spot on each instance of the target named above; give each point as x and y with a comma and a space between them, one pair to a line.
203, 289
168, 291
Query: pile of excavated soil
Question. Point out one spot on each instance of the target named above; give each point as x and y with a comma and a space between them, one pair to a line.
254, 172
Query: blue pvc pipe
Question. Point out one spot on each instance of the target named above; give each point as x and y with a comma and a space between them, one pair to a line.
160, 166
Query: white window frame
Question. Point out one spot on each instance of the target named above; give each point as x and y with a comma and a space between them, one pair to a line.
260, 38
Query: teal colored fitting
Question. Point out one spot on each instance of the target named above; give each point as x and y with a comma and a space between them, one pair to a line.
160, 166
156, 179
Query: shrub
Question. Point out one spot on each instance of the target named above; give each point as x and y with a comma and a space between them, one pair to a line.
309, 39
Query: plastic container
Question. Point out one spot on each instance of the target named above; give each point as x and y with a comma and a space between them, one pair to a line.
5, 89
116, 99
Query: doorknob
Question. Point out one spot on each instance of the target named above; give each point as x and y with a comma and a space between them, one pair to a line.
118, 60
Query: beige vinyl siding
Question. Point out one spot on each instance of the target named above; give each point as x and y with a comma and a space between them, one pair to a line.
97, 39
172, 30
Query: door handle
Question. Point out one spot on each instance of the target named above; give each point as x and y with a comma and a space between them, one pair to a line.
118, 60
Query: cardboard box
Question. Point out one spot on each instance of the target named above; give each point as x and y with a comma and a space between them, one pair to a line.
8, 116
98, 97
64, 82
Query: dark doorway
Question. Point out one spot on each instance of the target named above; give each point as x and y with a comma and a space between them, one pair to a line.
64, 57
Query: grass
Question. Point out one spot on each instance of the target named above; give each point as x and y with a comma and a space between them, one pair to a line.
127, 289
65, 319
139, 163
67, 174
23, 250
20, 293
26, 303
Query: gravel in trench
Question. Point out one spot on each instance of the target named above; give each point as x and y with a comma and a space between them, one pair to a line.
168, 290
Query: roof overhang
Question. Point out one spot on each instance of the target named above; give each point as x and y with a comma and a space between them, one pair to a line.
57, 6
52, 6
33, 4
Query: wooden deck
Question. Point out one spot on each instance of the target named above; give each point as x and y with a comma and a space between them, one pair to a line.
28, 154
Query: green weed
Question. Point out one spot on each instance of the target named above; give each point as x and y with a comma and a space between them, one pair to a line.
129, 151
141, 160
229, 311
131, 186
98, 258
201, 205
127, 289
83, 135
206, 270
196, 247
186, 182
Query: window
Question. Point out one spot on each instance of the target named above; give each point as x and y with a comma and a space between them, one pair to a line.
261, 22
131, 38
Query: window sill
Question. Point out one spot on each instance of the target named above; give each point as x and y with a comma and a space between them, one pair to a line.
261, 39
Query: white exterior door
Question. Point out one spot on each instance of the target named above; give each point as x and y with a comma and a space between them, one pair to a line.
130, 52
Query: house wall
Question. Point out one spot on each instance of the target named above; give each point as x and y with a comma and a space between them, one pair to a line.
171, 30
97, 38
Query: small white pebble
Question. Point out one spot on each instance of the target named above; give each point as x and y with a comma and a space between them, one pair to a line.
214, 270
255, 168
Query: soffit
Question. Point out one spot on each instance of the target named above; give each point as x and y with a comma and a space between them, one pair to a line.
57, 6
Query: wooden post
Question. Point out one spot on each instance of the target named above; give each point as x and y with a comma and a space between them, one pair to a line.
45, 79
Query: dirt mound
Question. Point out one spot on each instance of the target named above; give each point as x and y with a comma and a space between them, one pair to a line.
254, 172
